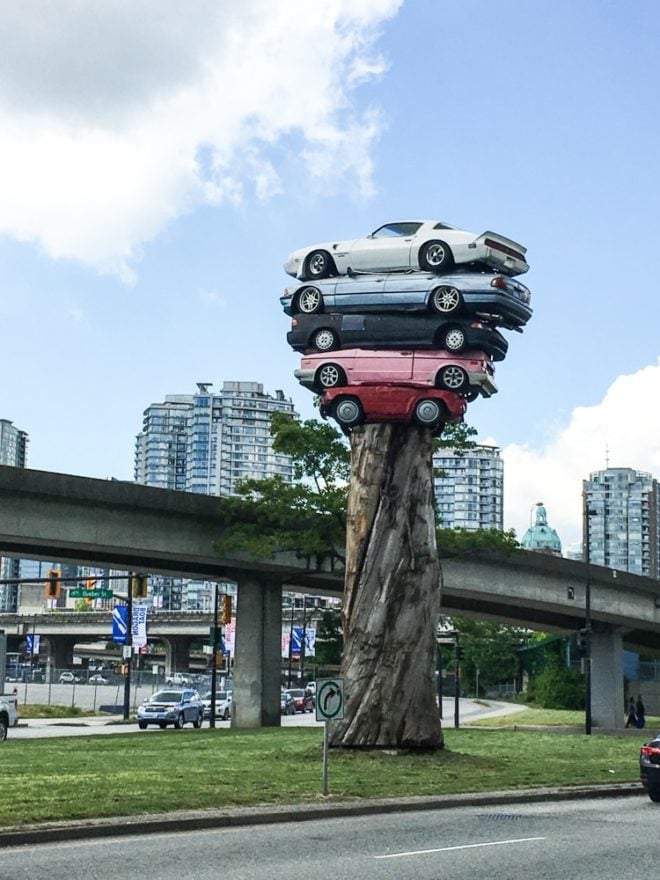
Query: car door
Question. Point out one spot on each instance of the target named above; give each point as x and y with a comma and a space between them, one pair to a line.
404, 291
388, 247
359, 292
380, 366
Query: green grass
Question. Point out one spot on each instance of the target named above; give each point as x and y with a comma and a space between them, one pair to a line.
128, 774
546, 718
34, 710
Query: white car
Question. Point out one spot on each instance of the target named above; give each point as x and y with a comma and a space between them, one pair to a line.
409, 245
223, 701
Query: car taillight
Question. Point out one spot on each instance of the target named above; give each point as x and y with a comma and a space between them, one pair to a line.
288, 292
477, 324
498, 246
649, 750
499, 282
294, 322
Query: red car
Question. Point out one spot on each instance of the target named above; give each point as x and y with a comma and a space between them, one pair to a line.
302, 701
427, 407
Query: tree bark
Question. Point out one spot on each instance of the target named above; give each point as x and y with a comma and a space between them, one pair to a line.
391, 593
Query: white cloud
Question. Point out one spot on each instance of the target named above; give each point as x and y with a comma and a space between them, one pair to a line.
116, 118
625, 426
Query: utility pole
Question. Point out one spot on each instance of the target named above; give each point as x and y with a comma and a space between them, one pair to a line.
129, 644
214, 656
588, 513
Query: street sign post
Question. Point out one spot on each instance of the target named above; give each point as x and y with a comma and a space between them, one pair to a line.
329, 707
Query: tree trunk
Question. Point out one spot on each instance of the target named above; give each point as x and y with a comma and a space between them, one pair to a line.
391, 594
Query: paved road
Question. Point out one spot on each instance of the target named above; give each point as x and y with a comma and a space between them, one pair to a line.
603, 839
41, 727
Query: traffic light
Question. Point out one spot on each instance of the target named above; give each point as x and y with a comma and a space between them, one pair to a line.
459, 652
90, 583
139, 585
225, 616
53, 584
582, 641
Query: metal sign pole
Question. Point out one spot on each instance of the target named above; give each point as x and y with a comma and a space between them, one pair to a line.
326, 740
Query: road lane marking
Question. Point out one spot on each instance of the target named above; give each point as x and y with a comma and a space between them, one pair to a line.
421, 852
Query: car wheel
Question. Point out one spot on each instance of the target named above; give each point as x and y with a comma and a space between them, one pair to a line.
325, 340
435, 256
348, 411
225, 716
452, 378
162, 724
180, 721
3, 730
310, 300
454, 339
446, 300
142, 725
319, 264
330, 376
428, 413
654, 794
471, 395
197, 723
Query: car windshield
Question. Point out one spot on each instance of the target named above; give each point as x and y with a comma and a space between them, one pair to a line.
220, 695
296, 693
167, 697
393, 230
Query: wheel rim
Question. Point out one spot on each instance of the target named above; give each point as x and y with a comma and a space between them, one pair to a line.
329, 376
453, 377
309, 300
317, 264
435, 255
446, 299
454, 339
347, 411
428, 412
324, 340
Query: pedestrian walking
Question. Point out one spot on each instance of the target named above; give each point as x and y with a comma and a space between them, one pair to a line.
640, 712
631, 721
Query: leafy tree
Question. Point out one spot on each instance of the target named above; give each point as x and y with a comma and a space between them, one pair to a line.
489, 647
329, 638
558, 686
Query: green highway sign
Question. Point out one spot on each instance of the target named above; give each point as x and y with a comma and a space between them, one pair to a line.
79, 593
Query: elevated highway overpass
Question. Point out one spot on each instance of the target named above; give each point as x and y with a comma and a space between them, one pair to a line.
124, 525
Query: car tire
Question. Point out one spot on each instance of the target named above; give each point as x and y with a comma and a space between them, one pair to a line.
180, 721
454, 339
452, 378
435, 256
329, 376
197, 723
324, 340
162, 724
309, 301
142, 725
348, 411
428, 413
471, 395
319, 264
446, 300
3, 729
225, 716
654, 793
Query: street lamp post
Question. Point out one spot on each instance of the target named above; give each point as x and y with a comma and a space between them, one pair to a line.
588, 513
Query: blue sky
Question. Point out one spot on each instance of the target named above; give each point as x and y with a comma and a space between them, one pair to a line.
161, 160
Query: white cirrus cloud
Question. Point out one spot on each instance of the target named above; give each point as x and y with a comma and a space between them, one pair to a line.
624, 429
116, 118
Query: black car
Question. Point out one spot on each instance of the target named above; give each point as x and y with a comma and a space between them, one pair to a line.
649, 768
326, 332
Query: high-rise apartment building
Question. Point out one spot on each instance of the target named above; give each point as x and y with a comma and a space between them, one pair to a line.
468, 487
13, 452
624, 520
206, 442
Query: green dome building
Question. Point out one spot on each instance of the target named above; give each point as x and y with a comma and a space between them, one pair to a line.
540, 537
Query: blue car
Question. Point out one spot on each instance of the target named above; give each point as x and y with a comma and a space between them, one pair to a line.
498, 298
171, 706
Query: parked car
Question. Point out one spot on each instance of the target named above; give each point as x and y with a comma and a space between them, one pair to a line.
499, 298
468, 374
302, 701
175, 706
427, 407
420, 244
649, 768
98, 679
68, 678
287, 706
223, 701
179, 678
327, 332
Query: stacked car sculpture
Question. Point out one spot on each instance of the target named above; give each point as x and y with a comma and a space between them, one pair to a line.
401, 326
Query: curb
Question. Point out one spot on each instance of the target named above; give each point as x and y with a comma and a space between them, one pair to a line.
191, 820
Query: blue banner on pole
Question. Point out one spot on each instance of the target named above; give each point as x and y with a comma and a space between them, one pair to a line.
120, 624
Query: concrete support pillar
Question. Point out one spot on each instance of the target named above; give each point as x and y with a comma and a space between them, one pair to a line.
177, 653
607, 697
61, 651
258, 661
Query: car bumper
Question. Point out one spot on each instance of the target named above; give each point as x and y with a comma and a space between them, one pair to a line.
158, 716
649, 775
483, 382
305, 377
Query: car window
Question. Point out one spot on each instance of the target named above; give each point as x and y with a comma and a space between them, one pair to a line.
167, 696
443, 226
392, 230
